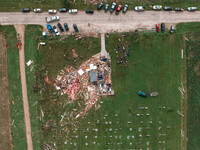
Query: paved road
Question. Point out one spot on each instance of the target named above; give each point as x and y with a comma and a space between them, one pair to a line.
20, 29
104, 22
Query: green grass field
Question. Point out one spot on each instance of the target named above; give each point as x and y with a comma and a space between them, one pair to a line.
16, 5
18, 129
154, 64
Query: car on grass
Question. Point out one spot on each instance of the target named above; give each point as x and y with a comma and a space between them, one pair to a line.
56, 30
118, 9
37, 10
162, 27
139, 8
167, 8
52, 11
60, 27
89, 11
172, 29
52, 18
113, 7
73, 11
157, 7
192, 8
157, 28
143, 94
100, 6
50, 29
66, 27
75, 27
125, 8
62, 10
179, 9
25, 9
106, 8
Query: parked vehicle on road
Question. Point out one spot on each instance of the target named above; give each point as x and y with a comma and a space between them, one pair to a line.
66, 27
100, 6
125, 8
52, 11
139, 8
192, 8
50, 29
62, 10
179, 9
37, 10
157, 28
52, 18
56, 30
106, 7
162, 27
113, 7
25, 9
157, 7
60, 27
172, 29
73, 11
118, 9
167, 8
89, 11
75, 27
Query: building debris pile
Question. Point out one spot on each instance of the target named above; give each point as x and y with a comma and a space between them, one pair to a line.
90, 81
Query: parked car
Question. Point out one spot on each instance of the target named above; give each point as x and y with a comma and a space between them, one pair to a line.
143, 94
75, 27
52, 11
56, 30
157, 7
192, 8
139, 8
52, 18
62, 10
100, 6
125, 8
179, 9
162, 27
172, 29
73, 11
167, 8
157, 28
60, 27
66, 27
89, 11
118, 9
106, 7
50, 29
25, 9
113, 7
37, 10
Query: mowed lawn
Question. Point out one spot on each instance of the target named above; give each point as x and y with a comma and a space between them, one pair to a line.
17, 5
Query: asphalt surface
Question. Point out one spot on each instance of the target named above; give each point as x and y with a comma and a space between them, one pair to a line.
102, 22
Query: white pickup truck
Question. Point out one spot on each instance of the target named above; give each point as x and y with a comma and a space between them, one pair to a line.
52, 18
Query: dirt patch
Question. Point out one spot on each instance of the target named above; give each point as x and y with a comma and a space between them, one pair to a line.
5, 134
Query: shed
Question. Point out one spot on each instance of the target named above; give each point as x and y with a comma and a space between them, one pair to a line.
93, 76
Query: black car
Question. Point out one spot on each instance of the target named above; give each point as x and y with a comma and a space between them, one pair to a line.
62, 10
167, 8
89, 11
75, 27
100, 6
162, 27
60, 27
179, 9
66, 27
25, 9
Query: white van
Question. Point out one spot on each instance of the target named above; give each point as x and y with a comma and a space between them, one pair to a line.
73, 11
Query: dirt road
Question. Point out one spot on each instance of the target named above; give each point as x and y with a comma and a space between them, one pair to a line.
104, 22
20, 29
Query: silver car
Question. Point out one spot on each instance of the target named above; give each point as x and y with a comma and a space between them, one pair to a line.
157, 7
192, 8
37, 10
139, 8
